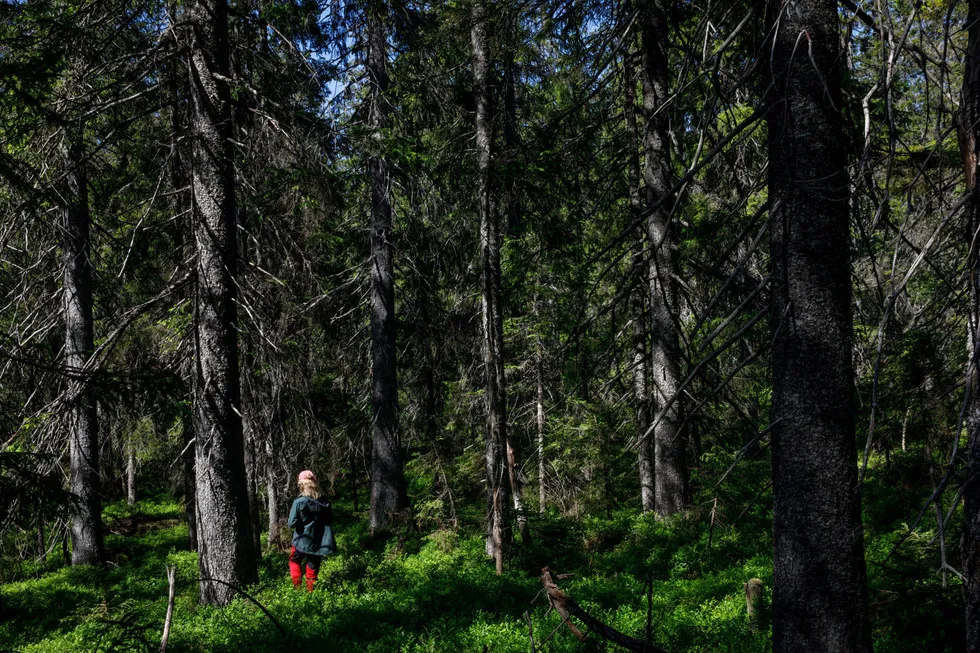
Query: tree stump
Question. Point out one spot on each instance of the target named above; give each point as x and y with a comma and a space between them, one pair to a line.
753, 602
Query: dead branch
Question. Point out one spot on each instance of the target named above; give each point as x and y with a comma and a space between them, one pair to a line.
171, 573
567, 607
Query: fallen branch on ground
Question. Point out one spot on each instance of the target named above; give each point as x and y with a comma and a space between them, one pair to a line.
567, 607
171, 575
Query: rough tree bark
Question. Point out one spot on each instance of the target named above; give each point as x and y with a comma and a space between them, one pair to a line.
130, 473
389, 495
273, 538
273, 442
252, 482
83, 423
819, 594
498, 529
226, 550
641, 272
540, 417
183, 252
669, 441
969, 129
512, 209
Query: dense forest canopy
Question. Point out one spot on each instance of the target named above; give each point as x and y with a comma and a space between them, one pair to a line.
660, 314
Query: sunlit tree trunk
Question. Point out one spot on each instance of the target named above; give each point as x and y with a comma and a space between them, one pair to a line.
225, 543
669, 440
819, 593
130, 473
512, 209
498, 530
83, 423
641, 272
273, 442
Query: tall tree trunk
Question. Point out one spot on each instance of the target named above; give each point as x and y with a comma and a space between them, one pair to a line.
641, 272
40, 546
539, 374
190, 481
183, 252
389, 494
498, 530
130, 473
969, 124
669, 442
273, 442
512, 209
226, 550
819, 594
252, 484
272, 503
429, 381
645, 452
83, 422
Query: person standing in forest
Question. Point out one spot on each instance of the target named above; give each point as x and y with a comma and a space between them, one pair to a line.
311, 519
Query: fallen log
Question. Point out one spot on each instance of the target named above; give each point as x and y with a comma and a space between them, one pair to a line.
566, 607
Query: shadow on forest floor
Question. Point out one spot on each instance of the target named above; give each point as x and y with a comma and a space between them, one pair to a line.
438, 592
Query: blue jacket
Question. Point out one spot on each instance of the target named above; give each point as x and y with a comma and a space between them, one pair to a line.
312, 524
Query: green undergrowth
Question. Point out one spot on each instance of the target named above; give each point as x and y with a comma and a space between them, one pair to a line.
436, 591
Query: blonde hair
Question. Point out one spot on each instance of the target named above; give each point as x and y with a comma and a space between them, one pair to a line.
308, 488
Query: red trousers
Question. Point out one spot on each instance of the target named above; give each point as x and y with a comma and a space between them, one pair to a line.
296, 570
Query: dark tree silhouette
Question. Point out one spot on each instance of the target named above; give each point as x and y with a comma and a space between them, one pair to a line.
819, 593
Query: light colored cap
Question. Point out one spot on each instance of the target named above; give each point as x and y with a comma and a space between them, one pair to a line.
307, 475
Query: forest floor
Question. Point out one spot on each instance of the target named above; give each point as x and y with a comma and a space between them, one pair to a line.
436, 591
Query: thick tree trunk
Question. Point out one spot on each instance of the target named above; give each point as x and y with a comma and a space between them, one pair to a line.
83, 423
130, 473
641, 272
669, 442
969, 138
226, 550
389, 494
819, 593
498, 529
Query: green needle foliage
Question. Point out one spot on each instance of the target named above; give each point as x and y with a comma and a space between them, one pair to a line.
568, 194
